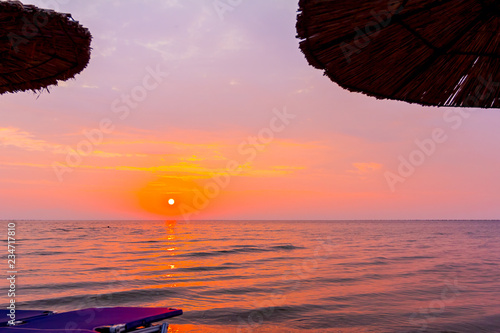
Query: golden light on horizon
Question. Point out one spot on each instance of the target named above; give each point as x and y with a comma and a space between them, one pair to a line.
169, 196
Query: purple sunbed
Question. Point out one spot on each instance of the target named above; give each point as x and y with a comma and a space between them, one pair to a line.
91, 320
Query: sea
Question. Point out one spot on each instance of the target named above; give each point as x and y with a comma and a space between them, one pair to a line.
268, 276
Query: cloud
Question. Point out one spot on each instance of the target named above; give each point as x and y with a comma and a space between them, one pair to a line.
365, 168
15, 137
21, 164
10, 136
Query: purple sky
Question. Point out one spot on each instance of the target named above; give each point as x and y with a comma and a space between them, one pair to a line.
221, 77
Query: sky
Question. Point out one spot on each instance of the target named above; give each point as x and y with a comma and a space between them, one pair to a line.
203, 109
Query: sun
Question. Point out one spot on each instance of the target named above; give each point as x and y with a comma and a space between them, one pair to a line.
169, 196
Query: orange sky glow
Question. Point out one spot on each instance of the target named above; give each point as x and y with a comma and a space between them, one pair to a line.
223, 114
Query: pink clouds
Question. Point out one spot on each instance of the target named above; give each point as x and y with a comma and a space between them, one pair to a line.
224, 79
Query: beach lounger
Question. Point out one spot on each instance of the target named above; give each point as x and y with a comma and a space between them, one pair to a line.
91, 320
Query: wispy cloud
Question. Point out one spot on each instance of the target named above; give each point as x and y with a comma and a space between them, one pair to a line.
364, 168
15, 137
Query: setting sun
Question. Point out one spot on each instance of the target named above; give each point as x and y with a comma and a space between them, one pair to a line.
260, 166
169, 196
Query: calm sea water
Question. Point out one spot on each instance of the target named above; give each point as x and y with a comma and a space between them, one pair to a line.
270, 276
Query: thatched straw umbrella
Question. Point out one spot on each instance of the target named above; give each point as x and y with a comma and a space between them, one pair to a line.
430, 52
38, 47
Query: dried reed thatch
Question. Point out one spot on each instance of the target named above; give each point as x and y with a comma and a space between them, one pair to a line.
39, 47
430, 52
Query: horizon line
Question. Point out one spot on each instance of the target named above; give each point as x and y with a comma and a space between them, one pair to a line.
249, 220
